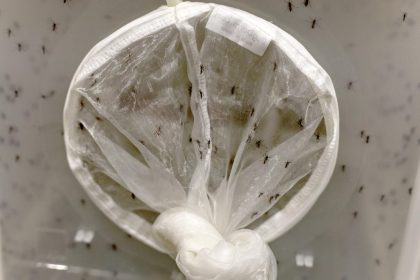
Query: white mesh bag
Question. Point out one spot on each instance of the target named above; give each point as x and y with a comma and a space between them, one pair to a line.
204, 132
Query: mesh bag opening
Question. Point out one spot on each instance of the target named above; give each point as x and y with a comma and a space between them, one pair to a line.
208, 109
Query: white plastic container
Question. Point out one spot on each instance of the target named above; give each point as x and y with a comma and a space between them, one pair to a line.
355, 230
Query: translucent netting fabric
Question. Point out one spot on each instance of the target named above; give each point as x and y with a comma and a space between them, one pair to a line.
167, 116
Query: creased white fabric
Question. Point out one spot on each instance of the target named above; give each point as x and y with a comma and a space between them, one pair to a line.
202, 253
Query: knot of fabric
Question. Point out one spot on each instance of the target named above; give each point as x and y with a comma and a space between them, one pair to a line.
202, 253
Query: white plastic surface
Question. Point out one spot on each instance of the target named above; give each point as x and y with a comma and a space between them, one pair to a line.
1, 256
369, 45
409, 262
